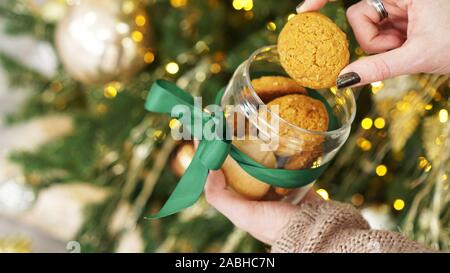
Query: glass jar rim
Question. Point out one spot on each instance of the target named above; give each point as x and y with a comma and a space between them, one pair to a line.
339, 130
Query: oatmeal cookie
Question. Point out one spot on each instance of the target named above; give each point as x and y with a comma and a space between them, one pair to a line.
272, 87
313, 50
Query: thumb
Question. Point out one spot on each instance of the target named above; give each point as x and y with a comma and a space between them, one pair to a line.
379, 67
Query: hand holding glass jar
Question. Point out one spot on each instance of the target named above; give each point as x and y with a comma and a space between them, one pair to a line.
235, 193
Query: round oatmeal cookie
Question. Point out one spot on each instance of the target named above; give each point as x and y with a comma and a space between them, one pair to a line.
301, 111
239, 180
307, 113
271, 87
313, 50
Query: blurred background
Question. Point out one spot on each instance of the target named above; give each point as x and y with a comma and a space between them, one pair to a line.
82, 162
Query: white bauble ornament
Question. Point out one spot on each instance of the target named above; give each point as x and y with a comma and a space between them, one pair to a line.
102, 40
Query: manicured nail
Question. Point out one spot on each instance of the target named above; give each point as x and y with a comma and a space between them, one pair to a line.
347, 79
298, 9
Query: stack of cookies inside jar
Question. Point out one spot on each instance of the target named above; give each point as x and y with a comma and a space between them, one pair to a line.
310, 54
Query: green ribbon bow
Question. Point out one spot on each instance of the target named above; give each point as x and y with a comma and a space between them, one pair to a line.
211, 154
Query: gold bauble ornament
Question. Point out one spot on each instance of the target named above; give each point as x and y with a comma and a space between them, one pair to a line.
99, 41
182, 157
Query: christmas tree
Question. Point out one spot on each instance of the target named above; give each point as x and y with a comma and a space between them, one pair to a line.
394, 166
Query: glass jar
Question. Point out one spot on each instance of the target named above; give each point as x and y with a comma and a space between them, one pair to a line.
295, 147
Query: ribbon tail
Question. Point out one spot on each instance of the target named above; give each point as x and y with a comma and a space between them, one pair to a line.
187, 192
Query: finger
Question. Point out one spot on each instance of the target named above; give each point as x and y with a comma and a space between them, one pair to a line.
365, 20
398, 24
263, 220
230, 204
382, 66
310, 5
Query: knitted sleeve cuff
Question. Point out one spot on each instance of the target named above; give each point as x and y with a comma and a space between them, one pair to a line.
328, 226
313, 226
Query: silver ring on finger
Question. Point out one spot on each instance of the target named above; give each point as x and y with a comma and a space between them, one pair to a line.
379, 7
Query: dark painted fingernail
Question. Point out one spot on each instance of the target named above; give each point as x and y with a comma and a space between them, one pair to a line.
348, 79
298, 9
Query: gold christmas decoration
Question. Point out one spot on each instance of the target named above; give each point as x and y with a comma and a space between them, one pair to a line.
433, 132
403, 101
100, 41
431, 201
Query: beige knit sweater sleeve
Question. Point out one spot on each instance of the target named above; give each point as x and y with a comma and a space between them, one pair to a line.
328, 226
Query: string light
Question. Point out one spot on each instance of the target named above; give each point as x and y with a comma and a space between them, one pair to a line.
428, 107
381, 170
316, 164
323, 193
380, 123
357, 199
201, 46
174, 123
159, 135
238, 4
443, 115
215, 68
364, 144
140, 20
128, 6
243, 4
366, 123
178, 3
376, 87
290, 16
149, 57
424, 164
110, 91
271, 26
172, 68
398, 204
333, 90
200, 76
248, 5
122, 28
137, 36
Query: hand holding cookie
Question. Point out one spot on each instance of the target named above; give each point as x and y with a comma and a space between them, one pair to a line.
413, 39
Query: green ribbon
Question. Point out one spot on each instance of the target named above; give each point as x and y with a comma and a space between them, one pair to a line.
211, 154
